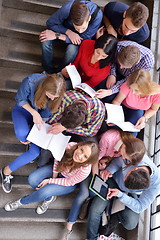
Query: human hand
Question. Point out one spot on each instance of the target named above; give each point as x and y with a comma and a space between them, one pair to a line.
140, 123
111, 80
47, 35
37, 119
101, 93
105, 175
111, 31
56, 128
74, 37
100, 32
112, 192
43, 183
64, 72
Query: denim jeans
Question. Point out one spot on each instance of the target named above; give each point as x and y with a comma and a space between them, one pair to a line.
23, 121
46, 192
48, 49
81, 196
127, 217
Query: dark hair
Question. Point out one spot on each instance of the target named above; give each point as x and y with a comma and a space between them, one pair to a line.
134, 148
108, 43
67, 160
138, 13
138, 179
79, 13
74, 115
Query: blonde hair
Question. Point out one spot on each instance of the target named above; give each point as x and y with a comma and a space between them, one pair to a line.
55, 85
142, 78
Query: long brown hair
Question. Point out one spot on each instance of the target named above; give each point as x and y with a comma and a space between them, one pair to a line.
67, 160
142, 78
55, 85
134, 148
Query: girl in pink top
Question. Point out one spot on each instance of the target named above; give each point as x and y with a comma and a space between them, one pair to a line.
115, 143
61, 179
140, 98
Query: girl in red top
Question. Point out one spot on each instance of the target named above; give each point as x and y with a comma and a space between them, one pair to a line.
94, 58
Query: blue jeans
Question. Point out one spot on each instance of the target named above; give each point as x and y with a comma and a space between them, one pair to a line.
48, 49
81, 196
126, 217
23, 121
46, 192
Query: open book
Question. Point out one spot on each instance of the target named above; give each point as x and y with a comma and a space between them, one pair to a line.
115, 115
55, 143
76, 81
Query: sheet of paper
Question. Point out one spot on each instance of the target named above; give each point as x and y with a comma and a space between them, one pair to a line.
58, 145
74, 75
85, 87
114, 113
40, 137
127, 126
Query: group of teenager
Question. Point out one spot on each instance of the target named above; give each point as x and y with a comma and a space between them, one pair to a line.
104, 45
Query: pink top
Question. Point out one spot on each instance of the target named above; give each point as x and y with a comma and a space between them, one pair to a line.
134, 101
71, 178
108, 141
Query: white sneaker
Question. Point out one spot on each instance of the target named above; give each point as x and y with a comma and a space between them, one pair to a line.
42, 208
11, 206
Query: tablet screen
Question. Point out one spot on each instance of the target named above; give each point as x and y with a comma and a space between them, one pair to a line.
99, 187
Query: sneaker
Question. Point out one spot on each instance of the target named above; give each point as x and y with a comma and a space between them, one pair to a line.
11, 206
65, 234
107, 229
42, 208
6, 182
84, 208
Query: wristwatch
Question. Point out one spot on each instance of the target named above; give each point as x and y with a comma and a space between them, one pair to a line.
57, 35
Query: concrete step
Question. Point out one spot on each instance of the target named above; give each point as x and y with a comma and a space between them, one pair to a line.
28, 230
7, 103
5, 160
11, 80
45, 7
22, 188
21, 24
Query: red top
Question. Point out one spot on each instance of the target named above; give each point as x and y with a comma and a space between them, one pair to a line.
90, 73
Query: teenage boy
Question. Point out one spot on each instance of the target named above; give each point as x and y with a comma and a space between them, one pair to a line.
130, 56
78, 115
127, 23
135, 186
72, 23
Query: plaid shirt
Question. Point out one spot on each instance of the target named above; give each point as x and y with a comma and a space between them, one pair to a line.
146, 62
96, 112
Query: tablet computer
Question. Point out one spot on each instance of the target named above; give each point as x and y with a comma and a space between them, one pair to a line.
99, 187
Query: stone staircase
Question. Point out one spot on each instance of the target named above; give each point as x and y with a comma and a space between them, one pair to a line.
20, 55
21, 21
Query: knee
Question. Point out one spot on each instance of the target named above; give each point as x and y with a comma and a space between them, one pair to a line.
129, 219
46, 45
21, 134
33, 180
